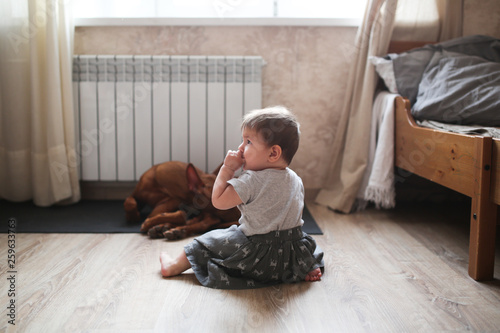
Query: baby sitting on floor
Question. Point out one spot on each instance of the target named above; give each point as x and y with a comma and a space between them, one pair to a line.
268, 246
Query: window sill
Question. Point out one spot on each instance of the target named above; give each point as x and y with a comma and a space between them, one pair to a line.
337, 22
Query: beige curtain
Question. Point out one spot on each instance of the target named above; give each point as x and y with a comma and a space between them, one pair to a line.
350, 149
385, 20
37, 127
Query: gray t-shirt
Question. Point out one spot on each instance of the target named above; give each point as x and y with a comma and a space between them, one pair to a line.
272, 200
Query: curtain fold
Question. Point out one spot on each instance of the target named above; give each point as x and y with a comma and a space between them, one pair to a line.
37, 139
351, 144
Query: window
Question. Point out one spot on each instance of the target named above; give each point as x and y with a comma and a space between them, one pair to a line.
219, 11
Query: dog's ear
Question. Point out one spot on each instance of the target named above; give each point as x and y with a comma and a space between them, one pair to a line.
216, 171
194, 181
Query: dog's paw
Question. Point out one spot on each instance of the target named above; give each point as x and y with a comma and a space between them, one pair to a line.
175, 233
145, 226
150, 223
158, 231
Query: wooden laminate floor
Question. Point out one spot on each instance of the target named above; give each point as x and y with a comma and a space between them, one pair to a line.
403, 270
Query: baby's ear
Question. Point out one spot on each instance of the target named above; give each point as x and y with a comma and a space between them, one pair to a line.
275, 153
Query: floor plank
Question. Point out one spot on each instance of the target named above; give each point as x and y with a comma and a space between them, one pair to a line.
400, 270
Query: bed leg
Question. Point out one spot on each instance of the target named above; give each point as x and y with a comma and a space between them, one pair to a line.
483, 216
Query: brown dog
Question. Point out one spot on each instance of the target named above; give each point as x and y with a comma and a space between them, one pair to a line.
180, 197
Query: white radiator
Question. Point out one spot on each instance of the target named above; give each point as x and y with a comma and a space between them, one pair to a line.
137, 111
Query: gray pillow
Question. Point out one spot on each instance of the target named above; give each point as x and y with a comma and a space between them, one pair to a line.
410, 66
459, 89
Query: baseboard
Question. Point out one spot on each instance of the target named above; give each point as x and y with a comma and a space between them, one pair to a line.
106, 190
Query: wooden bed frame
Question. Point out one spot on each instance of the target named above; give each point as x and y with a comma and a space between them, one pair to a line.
467, 164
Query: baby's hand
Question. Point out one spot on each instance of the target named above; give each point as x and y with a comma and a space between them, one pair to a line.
233, 160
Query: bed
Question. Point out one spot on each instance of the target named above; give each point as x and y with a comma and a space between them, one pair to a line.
466, 163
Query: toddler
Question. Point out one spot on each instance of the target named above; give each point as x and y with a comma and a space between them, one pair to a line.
268, 246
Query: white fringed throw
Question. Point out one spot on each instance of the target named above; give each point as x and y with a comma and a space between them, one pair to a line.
378, 181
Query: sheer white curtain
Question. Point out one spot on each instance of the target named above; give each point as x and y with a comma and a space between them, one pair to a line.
37, 132
384, 20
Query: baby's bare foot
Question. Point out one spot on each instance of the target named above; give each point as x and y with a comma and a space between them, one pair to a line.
314, 275
172, 267
168, 265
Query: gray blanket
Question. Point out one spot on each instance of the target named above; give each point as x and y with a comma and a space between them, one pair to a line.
455, 81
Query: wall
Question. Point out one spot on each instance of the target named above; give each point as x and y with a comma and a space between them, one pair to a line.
482, 17
307, 69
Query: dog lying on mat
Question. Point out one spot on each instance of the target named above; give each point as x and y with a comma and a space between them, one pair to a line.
180, 196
